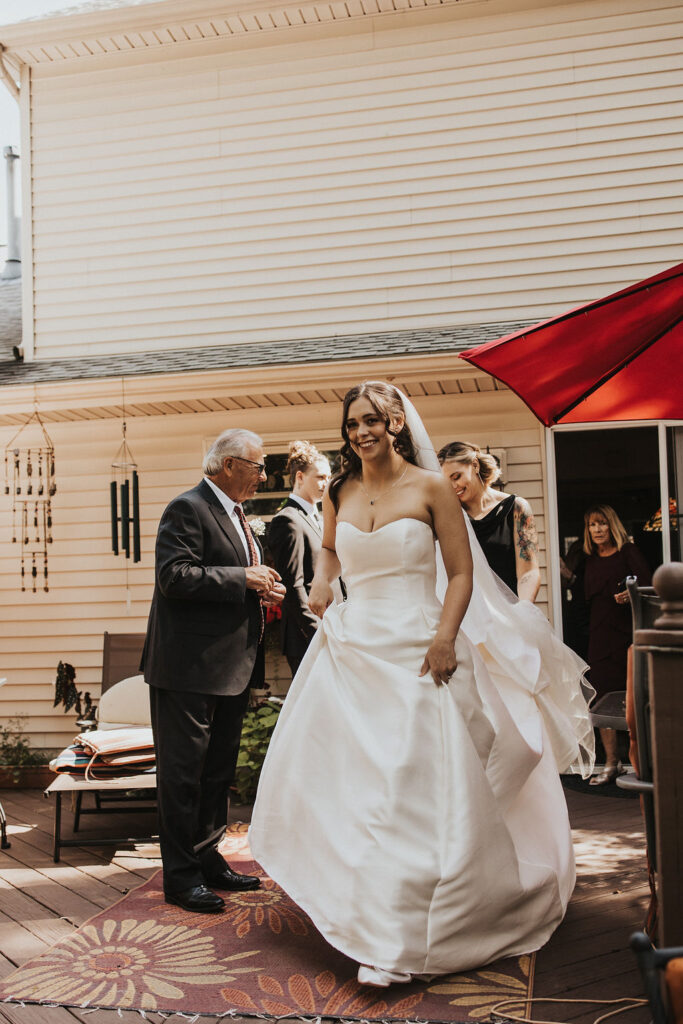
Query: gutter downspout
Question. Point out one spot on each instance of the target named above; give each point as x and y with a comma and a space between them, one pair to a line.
12, 268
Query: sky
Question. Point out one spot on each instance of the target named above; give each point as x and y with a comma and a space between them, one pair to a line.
12, 11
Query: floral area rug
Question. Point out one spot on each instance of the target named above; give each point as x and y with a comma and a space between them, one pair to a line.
262, 957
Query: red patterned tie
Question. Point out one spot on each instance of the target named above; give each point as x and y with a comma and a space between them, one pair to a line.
253, 556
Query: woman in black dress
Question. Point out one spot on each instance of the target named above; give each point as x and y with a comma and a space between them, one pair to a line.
503, 523
611, 557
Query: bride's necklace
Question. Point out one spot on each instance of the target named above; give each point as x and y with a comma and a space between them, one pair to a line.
386, 490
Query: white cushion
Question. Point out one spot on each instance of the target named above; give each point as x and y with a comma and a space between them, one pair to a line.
125, 703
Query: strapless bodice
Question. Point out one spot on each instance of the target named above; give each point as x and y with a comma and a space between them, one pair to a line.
394, 563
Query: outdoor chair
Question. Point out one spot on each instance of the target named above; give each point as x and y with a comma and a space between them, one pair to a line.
124, 703
662, 974
609, 712
645, 607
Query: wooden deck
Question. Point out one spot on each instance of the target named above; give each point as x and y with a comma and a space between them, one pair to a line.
587, 958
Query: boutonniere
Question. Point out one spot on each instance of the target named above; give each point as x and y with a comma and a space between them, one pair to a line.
257, 526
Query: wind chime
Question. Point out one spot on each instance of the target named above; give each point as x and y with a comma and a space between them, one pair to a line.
124, 497
30, 479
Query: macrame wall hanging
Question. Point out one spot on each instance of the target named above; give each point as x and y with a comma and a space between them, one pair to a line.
124, 496
30, 479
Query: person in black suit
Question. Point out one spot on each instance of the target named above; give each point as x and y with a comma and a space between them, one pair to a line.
295, 538
202, 652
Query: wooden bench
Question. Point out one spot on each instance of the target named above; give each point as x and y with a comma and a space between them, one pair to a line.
131, 793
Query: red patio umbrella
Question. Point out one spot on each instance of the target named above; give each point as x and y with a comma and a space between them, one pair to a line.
619, 358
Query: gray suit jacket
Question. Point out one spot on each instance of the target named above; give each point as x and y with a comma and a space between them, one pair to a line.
204, 624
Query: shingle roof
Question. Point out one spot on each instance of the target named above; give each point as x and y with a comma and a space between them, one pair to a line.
10, 318
69, 8
282, 353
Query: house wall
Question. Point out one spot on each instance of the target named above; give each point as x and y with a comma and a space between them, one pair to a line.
447, 166
91, 590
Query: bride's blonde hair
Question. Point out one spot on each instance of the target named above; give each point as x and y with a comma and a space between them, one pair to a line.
465, 452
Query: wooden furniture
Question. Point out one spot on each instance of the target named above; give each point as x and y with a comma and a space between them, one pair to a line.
656, 966
117, 797
4, 841
609, 712
663, 646
132, 793
645, 608
121, 653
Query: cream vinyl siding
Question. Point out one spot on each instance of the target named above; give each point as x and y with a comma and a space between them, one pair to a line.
89, 586
440, 167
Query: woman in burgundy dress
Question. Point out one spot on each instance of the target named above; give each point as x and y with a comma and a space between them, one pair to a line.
611, 557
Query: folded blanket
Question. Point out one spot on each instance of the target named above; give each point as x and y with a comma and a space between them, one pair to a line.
115, 741
82, 762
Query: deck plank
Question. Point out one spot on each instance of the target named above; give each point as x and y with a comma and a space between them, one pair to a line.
37, 813
587, 957
102, 883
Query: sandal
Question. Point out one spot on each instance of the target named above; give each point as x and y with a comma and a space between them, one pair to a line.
607, 775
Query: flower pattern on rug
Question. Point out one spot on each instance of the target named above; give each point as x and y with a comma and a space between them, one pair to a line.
129, 963
342, 998
262, 957
267, 905
480, 990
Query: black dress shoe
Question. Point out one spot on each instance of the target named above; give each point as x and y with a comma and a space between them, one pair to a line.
232, 882
199, 899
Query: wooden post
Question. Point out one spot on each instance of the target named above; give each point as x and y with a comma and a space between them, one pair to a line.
664, 646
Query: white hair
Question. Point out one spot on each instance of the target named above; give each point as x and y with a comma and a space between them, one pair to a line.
230, 442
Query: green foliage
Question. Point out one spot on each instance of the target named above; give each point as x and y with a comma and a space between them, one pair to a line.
257, 729
15, 748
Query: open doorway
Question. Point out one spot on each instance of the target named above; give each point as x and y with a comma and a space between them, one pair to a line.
617, 466
674, 448
612, 466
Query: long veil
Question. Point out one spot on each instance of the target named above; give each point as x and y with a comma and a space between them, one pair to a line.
517, 642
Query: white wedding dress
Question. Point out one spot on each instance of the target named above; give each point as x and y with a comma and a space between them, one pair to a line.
422, 828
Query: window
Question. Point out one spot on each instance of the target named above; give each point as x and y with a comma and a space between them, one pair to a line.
274, 492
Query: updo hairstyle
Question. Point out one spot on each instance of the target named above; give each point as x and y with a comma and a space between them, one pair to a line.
463, 451
302, 455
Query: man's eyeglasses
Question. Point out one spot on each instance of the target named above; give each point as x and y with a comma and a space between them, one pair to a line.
261, 466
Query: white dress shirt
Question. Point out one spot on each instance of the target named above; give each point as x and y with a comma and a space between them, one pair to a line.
229, 506
312, 510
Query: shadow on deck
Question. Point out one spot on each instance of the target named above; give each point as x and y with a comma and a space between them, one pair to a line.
587, 958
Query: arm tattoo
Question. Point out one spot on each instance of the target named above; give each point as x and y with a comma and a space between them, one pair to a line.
527, 537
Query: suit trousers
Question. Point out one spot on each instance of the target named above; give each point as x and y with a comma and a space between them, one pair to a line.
294, 661
196, 738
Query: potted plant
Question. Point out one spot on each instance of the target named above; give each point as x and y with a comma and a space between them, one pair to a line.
257, 728
19, 764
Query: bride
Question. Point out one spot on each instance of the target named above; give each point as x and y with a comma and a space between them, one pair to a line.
410, 801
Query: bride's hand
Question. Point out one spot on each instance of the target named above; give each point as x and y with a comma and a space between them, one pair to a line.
320, 598
440, 660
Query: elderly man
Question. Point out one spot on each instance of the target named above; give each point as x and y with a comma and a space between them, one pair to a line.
203, 651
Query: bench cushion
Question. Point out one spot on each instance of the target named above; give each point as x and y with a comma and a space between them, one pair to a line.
125, 703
